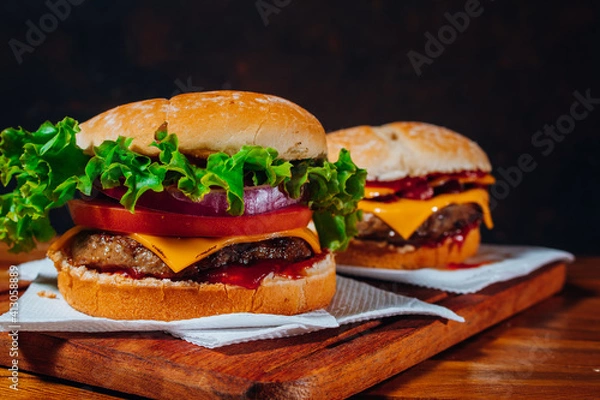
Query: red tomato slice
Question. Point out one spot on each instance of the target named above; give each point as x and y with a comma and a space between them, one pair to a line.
108, 216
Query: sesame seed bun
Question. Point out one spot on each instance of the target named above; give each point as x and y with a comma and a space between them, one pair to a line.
401, 149
209, 122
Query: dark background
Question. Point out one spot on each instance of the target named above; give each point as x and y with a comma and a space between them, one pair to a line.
514, 69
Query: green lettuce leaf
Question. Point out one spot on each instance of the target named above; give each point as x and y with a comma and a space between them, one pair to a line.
334, 192
44, 166
223, 171
48, 169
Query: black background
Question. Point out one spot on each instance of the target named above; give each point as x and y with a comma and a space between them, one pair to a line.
514, 69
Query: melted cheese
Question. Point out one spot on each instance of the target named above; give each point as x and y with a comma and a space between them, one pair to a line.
179, 253
372, 191
405, 216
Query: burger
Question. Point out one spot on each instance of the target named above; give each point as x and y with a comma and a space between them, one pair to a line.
185, 207
425, 196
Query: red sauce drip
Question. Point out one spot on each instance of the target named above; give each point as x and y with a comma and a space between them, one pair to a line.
409, 188
247, 276
251, 277
466, 265
420, 187
456, 175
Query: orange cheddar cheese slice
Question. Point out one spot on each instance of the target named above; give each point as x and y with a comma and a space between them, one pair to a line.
405, 216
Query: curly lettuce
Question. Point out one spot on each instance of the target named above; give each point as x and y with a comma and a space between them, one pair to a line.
44, 167
48, 169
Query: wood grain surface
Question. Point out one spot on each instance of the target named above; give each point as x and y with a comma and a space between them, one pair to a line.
549, 349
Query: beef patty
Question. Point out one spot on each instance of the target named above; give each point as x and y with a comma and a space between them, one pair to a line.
107, 252
444, 223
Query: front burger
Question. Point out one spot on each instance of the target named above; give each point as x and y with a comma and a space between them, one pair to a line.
425, 197
186, 207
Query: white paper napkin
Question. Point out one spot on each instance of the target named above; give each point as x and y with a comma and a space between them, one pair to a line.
502, 263
354, 301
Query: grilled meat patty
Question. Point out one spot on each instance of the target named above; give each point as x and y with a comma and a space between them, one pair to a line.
107, 252
446, 222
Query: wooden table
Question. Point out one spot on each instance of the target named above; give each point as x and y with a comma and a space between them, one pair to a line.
551, 350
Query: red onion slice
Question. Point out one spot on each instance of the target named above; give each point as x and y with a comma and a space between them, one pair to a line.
257, 200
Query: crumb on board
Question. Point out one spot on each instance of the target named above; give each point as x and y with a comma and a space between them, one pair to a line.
47, 294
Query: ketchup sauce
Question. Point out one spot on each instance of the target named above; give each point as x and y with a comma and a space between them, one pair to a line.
466, 265
422, 188
250, 277
247, 276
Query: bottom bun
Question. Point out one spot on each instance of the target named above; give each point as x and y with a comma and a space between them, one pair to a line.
384, 255
120, 297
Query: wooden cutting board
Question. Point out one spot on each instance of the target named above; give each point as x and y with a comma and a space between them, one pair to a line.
328, 364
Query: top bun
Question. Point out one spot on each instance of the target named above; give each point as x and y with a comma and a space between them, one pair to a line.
402, 149
209, 122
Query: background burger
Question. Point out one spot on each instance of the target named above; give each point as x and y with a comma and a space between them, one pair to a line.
425, 196
192, 206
